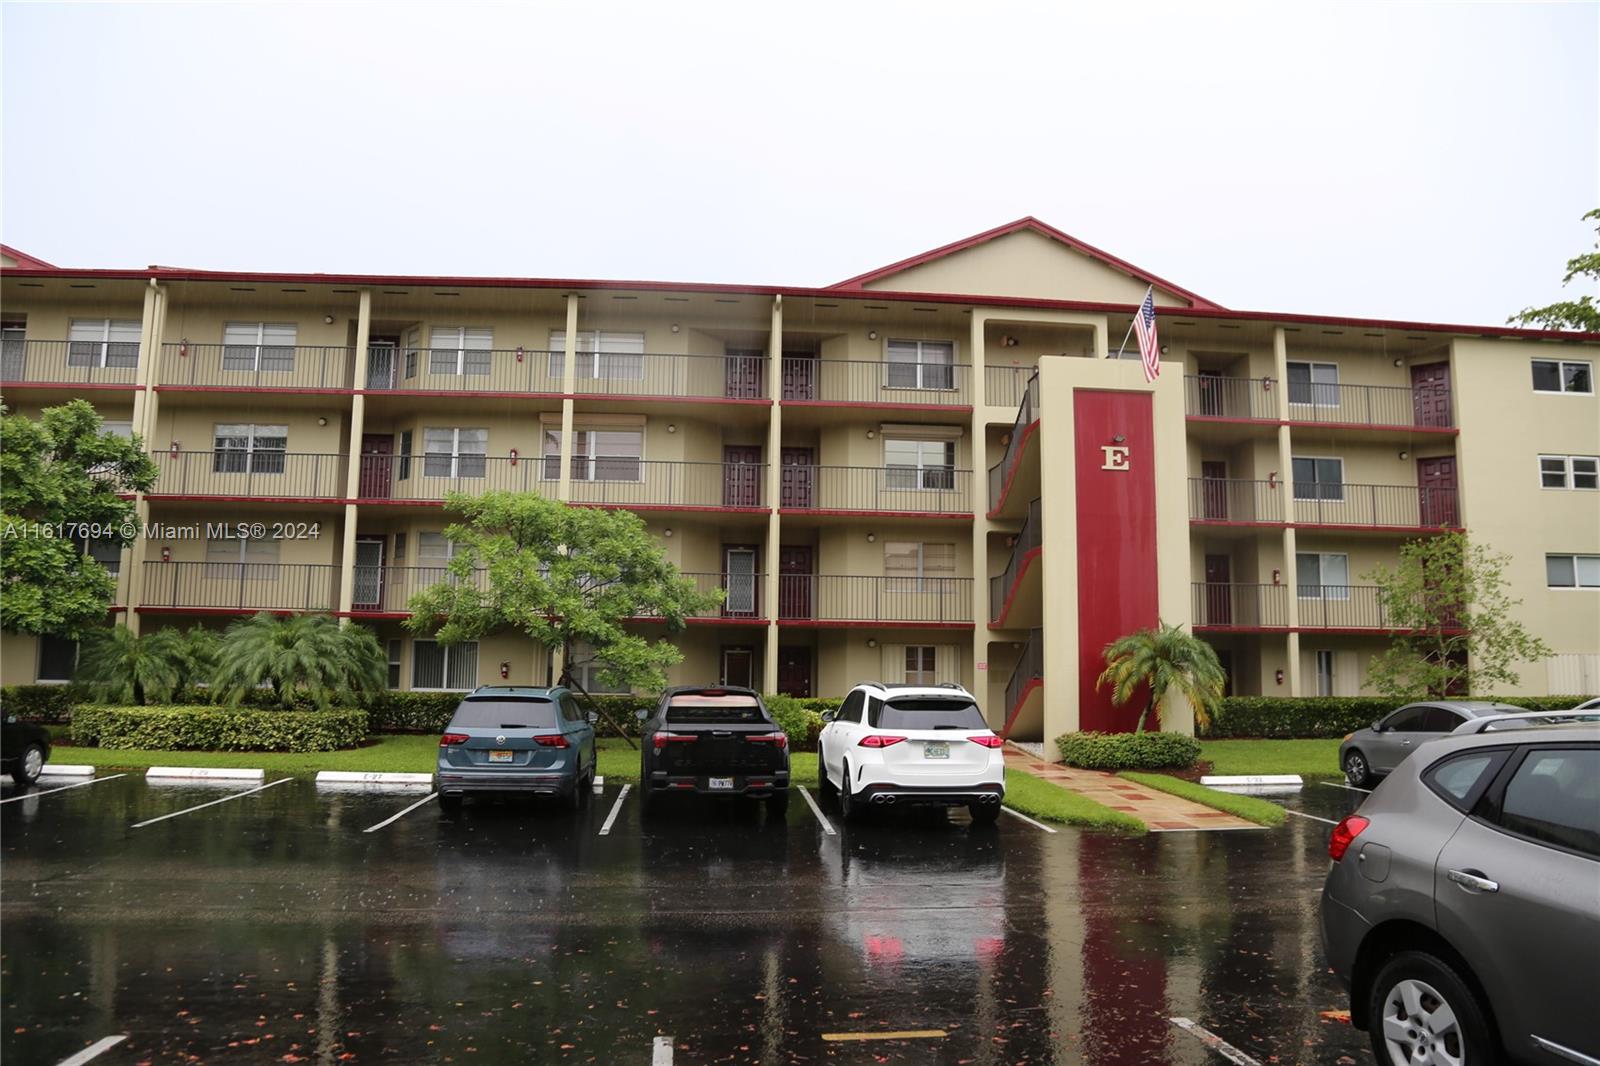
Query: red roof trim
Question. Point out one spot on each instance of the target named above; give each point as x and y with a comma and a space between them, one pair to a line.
26, 261
1031, 224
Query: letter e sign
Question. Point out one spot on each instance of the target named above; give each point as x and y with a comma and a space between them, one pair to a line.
1116, 456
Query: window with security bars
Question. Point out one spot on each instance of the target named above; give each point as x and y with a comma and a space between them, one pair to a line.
911, 566
242, 448
919, 464
103, 342
599, 355
1569, 471
1323, 575
264, 346
451, 451
13, 347
231, 558
460, 351
597, 455
920, 364
1314, 383
452, 668
1318, 479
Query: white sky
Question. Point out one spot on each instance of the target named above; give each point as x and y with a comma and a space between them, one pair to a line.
1407, 161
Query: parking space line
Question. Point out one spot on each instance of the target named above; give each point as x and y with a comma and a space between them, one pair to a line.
899, 1034
1314, 818
104, 1044
63, 788
1216, 1043
827, 826
402, 814
1347, 788
616, 808
1025, 818
661, 1051
213, 803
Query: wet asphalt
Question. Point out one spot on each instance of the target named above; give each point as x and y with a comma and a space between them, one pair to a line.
273, 928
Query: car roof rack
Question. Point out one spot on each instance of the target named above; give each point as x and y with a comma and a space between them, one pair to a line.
1491, 723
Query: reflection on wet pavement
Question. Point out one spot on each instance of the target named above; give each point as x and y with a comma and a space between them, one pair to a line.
273, 928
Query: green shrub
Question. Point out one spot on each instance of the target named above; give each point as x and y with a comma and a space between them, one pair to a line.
42, 703
801, 723
217, 729
1128, 751
1329, 716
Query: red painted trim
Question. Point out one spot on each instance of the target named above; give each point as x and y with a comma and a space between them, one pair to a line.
1028, 557
1352, 631
824, 623
244, 499
1352, 527
471, 394
376, 501
381, 501
142, 609
374, 616
70, 385
1448, 431
1011, 714
1272, 423
1239, 525
1005, 487
118, 610
274, 390
24, 260
735, 401
845, 512
1031, 224
954, 408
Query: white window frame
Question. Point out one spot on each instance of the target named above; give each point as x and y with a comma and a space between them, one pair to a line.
1569, 472
608, 357
98, 359
232, 569
922, 580
944, 475
1313, 384
1314, 459
251, 449
585, 432
1577, 578
1322, 588
921, 348
450, 654
455, 455
441, 342
434, 561
259, 345
927, 664
586, 673
1561, 377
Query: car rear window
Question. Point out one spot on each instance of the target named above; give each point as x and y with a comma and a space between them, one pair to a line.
928, 712
691, 708
506, 714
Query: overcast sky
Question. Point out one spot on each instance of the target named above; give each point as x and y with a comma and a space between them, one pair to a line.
1427, 161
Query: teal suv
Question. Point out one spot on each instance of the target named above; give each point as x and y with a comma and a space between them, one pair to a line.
514, 738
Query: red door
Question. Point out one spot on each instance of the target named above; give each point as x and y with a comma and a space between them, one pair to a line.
794, 671
741, 475
377, 465
1436, 482
798, 475
796, 582
1214, 491
743, 375
739, 666
799, 375
1219, 604
1430, 394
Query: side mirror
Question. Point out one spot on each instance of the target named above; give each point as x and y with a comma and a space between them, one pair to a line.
828, 716
1377, 727
641, 714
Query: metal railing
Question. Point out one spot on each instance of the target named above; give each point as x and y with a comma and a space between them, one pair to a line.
1398, 506
70, 362
1215, 396
1030, 668
1220, 605
304, 475
850, 598
1029, 538
874, 381
389, 589
901, 489
1027, 412
532, 370
1003, 386
714, 376
1370, 405
298, 366
613, 480
1218, 499
242, 586
463, 370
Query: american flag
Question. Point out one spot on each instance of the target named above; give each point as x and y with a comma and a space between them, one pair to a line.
1144, 324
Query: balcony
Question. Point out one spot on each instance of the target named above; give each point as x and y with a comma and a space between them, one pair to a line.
95, 364
388, 590
874, 383
1219, 606
1348, 608
614, 481
247, 366
1018, 455
1235, 501
933, 491
260, 475
236, 588
1322, 608
1024, 690
1004, 386
1376, 506
1230, 399
609, 374
1006, 597
1371, 406
839, 599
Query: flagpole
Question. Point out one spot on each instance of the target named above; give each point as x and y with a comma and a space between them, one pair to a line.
1123, 346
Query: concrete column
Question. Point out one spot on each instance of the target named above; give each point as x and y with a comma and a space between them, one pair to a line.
979, 504
569, 385
358, 418
774, 475
146, 406
1291, 576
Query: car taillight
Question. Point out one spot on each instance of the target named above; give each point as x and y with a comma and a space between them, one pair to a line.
1344, 834
879, 740
988, 740
661, 740
780, 739
551, 740
450, 740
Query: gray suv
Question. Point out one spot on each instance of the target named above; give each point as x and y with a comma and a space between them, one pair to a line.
1462, 909
1370, 753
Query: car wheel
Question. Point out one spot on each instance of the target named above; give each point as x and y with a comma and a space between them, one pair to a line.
1421, 1013
29, 765
824, 785
778, 804
984, 813
851, 808
1356, 769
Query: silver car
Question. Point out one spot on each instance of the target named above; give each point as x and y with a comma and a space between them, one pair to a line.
1370, 753
1462, 909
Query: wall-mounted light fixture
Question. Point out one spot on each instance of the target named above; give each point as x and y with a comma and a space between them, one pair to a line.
1118, 439
1009, 341
1404, 454
321, 421
1399, 362
872, 334
675, 327
667, 532
872, 538
1277, 676
327, 320
871, 433
1165, 349
672, 427
871, 642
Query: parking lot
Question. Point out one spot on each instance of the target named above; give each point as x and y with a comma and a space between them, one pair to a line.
298, 923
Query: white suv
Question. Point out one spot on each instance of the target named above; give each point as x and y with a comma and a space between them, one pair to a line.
911, 744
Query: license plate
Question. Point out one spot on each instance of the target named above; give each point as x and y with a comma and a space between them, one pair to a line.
501, 756
720, 784
936, 749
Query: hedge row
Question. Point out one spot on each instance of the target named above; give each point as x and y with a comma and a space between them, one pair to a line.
1329, 716
50, 704
1128, 751
217, 729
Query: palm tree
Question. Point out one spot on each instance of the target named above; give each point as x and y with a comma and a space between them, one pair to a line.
1164, 658
136, 668
195, 656
302, 653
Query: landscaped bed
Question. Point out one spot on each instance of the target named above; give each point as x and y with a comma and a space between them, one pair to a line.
1052, 803
1308, 758
1249, 808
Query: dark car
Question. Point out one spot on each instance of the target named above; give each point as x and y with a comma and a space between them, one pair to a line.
513, 738
716, 741
24, 748
1374, 752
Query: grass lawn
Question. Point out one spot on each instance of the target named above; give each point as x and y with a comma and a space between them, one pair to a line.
1308, 758
1247, 807
1052, 803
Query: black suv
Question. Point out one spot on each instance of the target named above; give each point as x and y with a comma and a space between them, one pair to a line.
717, 741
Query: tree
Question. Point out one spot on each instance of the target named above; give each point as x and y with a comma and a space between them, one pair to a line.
1161, 660
1450, 619
1580, 314
60, 476
302, 654
137, 668
567, 577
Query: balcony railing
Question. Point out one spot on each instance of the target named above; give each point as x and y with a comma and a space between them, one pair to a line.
241, 586
256, 366
900, 489
70, 362
1228, 606
389, 589
1030, 669
613, 480
1003, 386
1216, 499
1398, 506
1370, 405
1027, 412
874, 382
1214, 396
303, 475
1029, 538
666, 376
848, 598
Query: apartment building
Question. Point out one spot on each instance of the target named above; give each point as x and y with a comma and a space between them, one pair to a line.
934, 471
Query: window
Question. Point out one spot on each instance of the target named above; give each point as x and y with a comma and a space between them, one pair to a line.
407, 438
399, 547
103, 342
108, 553
1440, 720
1318, 479
617, 356
1554, 797
919, 464
1406, 719
58, 659
264, 346
921, 664
459, 350
1314, 383
1323, 575
242, 557
1569, 472
850, 709
910, 566
929, 712
597, 454
453, 668
117, 427
13, 347
585, 670
1459, 781
454, 452
413, 342
920, 365
393, 680
1325, 678
248, 449
1572, 571
434, 549
1562, 375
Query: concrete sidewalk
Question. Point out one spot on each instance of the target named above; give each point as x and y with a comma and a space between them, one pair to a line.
1162, 812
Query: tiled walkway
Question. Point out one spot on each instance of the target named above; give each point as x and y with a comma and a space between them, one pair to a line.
1162, 812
